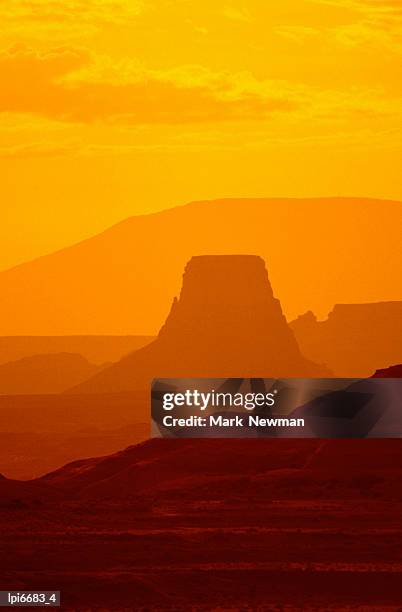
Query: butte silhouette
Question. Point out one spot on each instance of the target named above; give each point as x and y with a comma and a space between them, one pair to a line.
226, 323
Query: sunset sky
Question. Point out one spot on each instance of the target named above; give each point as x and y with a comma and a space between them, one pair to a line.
110, 108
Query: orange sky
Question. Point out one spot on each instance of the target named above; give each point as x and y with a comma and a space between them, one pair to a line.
110, 108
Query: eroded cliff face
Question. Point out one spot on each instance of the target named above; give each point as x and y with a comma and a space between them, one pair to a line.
227, 305
226, 322
391, 372
355, 340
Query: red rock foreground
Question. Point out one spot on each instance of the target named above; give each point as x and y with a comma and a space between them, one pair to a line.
213, 525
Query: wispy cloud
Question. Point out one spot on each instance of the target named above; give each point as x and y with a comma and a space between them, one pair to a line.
121, 107
377, 7
237, 13
70, 17
38, 150
297, 33
70, 85
375, 23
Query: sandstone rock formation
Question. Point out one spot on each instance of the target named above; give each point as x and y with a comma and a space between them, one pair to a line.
355, 340
226, 323
391, 372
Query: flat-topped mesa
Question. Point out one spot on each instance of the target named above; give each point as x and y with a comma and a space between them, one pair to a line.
355, 340
386, 313
217, 280
227, 311
222, 294
225, 323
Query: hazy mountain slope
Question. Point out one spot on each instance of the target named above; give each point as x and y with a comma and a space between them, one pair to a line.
319, 252
38, 433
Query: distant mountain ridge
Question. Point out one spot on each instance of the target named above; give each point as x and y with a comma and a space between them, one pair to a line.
41, 374
319, 252
97, 349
